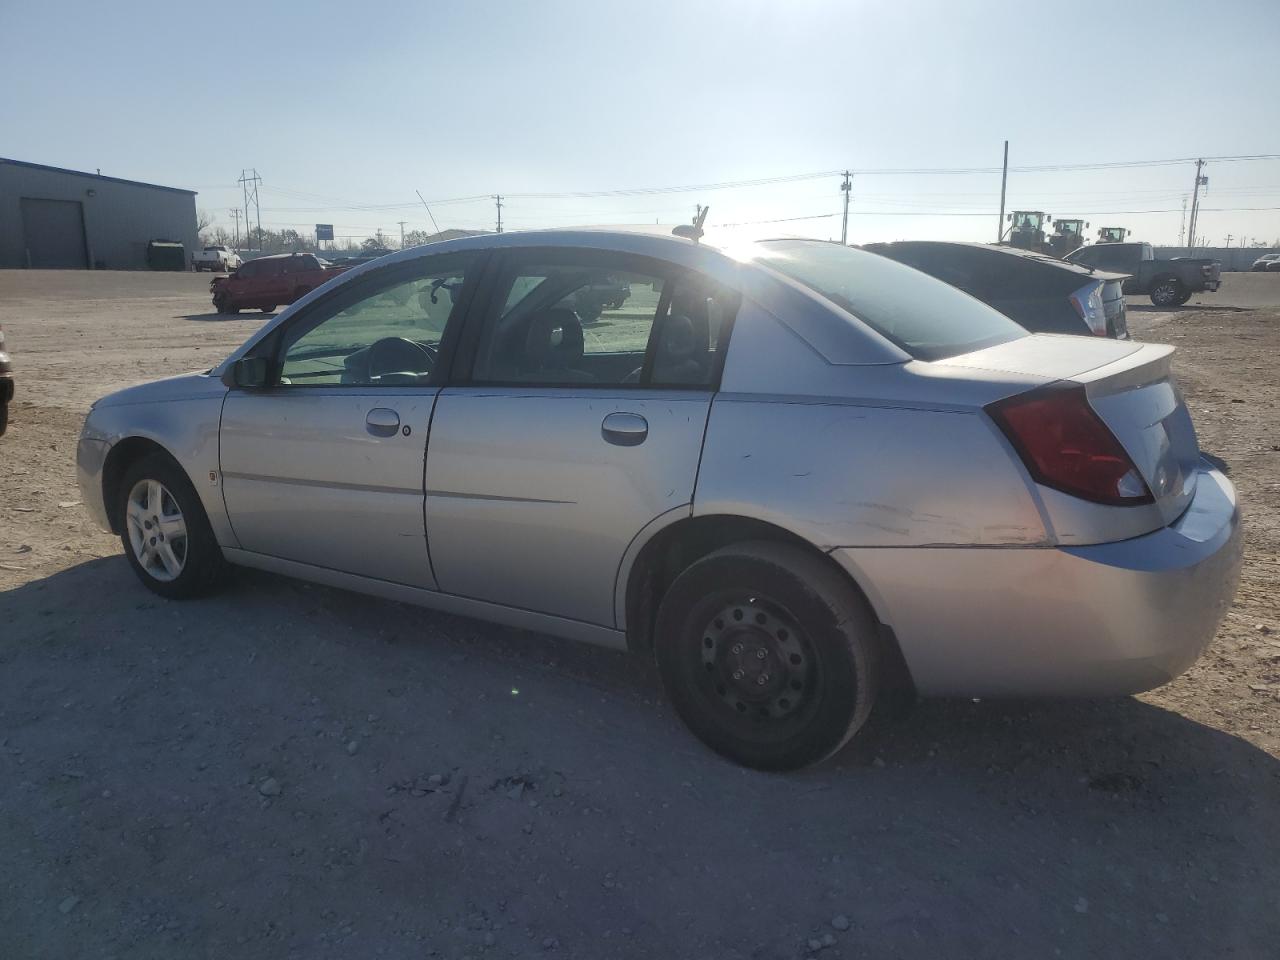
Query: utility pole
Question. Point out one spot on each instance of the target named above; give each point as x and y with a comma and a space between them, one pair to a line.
497, 198
251, 194
846, 188
1228, 241
1195, 203
1004, 183
236, 213
402, 223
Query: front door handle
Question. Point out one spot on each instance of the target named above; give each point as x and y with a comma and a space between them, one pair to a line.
625, 429
382, 422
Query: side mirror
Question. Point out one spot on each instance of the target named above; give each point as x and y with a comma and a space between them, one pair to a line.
249, 373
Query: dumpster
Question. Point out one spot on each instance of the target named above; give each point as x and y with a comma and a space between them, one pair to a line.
166, 255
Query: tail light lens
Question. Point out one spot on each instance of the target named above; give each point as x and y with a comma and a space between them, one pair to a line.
1066, 446
1088, 303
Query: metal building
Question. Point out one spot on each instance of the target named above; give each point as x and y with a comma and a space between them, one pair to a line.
65, 219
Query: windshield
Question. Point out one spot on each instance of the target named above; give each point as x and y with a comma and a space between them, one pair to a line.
927, 318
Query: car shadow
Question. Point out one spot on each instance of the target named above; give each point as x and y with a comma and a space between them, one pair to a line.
217, 317
1081, 828
1185, 308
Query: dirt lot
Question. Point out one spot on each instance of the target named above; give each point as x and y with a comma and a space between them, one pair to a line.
441, 787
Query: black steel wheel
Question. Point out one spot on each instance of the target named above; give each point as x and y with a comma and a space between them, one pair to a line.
768, 654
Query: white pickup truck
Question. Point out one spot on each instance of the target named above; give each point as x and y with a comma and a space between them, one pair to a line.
217, 258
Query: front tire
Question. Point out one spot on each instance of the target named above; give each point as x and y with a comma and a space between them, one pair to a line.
165, 531
1166, 293
222, 305
768, 655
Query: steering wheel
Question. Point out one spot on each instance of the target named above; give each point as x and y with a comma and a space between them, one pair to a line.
400, 355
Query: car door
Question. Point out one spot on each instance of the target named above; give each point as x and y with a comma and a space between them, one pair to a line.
567, 434
275, 283
325, 466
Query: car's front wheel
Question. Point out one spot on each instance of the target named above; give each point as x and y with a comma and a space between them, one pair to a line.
165, 531
223, 305
768, 654
1166, 293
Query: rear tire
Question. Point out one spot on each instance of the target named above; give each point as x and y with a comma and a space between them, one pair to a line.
1165, 293
165, 531
4, 416
768, 654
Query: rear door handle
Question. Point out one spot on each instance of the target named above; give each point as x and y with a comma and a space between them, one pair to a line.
382, 422
625, 429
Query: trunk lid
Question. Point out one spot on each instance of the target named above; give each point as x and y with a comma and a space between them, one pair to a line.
1131, 387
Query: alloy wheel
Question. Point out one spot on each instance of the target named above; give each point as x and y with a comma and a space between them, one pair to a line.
157, 530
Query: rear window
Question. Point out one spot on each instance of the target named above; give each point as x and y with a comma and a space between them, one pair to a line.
927, 318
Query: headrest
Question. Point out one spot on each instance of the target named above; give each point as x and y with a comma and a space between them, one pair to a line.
554, 338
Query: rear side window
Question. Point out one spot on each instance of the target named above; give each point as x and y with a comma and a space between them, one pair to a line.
927, 318
569, 317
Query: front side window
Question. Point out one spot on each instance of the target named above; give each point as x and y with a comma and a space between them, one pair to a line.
380, 334
592, 318
927, 318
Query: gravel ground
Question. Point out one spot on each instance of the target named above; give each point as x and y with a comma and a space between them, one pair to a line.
291, 771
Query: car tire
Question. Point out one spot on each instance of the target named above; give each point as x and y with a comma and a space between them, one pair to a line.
267, 309
4, 416
166, 534
222, 306
768, 654
1183, 297
1165, 293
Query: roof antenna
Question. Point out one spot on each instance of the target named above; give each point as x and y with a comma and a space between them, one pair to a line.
693, 231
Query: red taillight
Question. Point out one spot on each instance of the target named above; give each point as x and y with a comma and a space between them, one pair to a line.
1065, 445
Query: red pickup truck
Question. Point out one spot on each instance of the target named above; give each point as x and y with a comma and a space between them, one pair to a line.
269, 282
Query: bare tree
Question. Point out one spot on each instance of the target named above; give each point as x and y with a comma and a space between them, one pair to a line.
204, 219
375, 243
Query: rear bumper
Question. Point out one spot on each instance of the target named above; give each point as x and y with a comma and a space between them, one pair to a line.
1100, 620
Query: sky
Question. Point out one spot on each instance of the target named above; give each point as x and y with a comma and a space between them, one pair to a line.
346, 109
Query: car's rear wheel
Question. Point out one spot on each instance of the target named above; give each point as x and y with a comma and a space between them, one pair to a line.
4, 416
267, 309
165, 531
768, 654
1165, 293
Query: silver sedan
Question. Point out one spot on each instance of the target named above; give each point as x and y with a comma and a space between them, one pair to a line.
799, 475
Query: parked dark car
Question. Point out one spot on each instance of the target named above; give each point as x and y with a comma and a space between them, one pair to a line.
1268, 261
6, 385
269, 282
1169, 283
1040, 292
